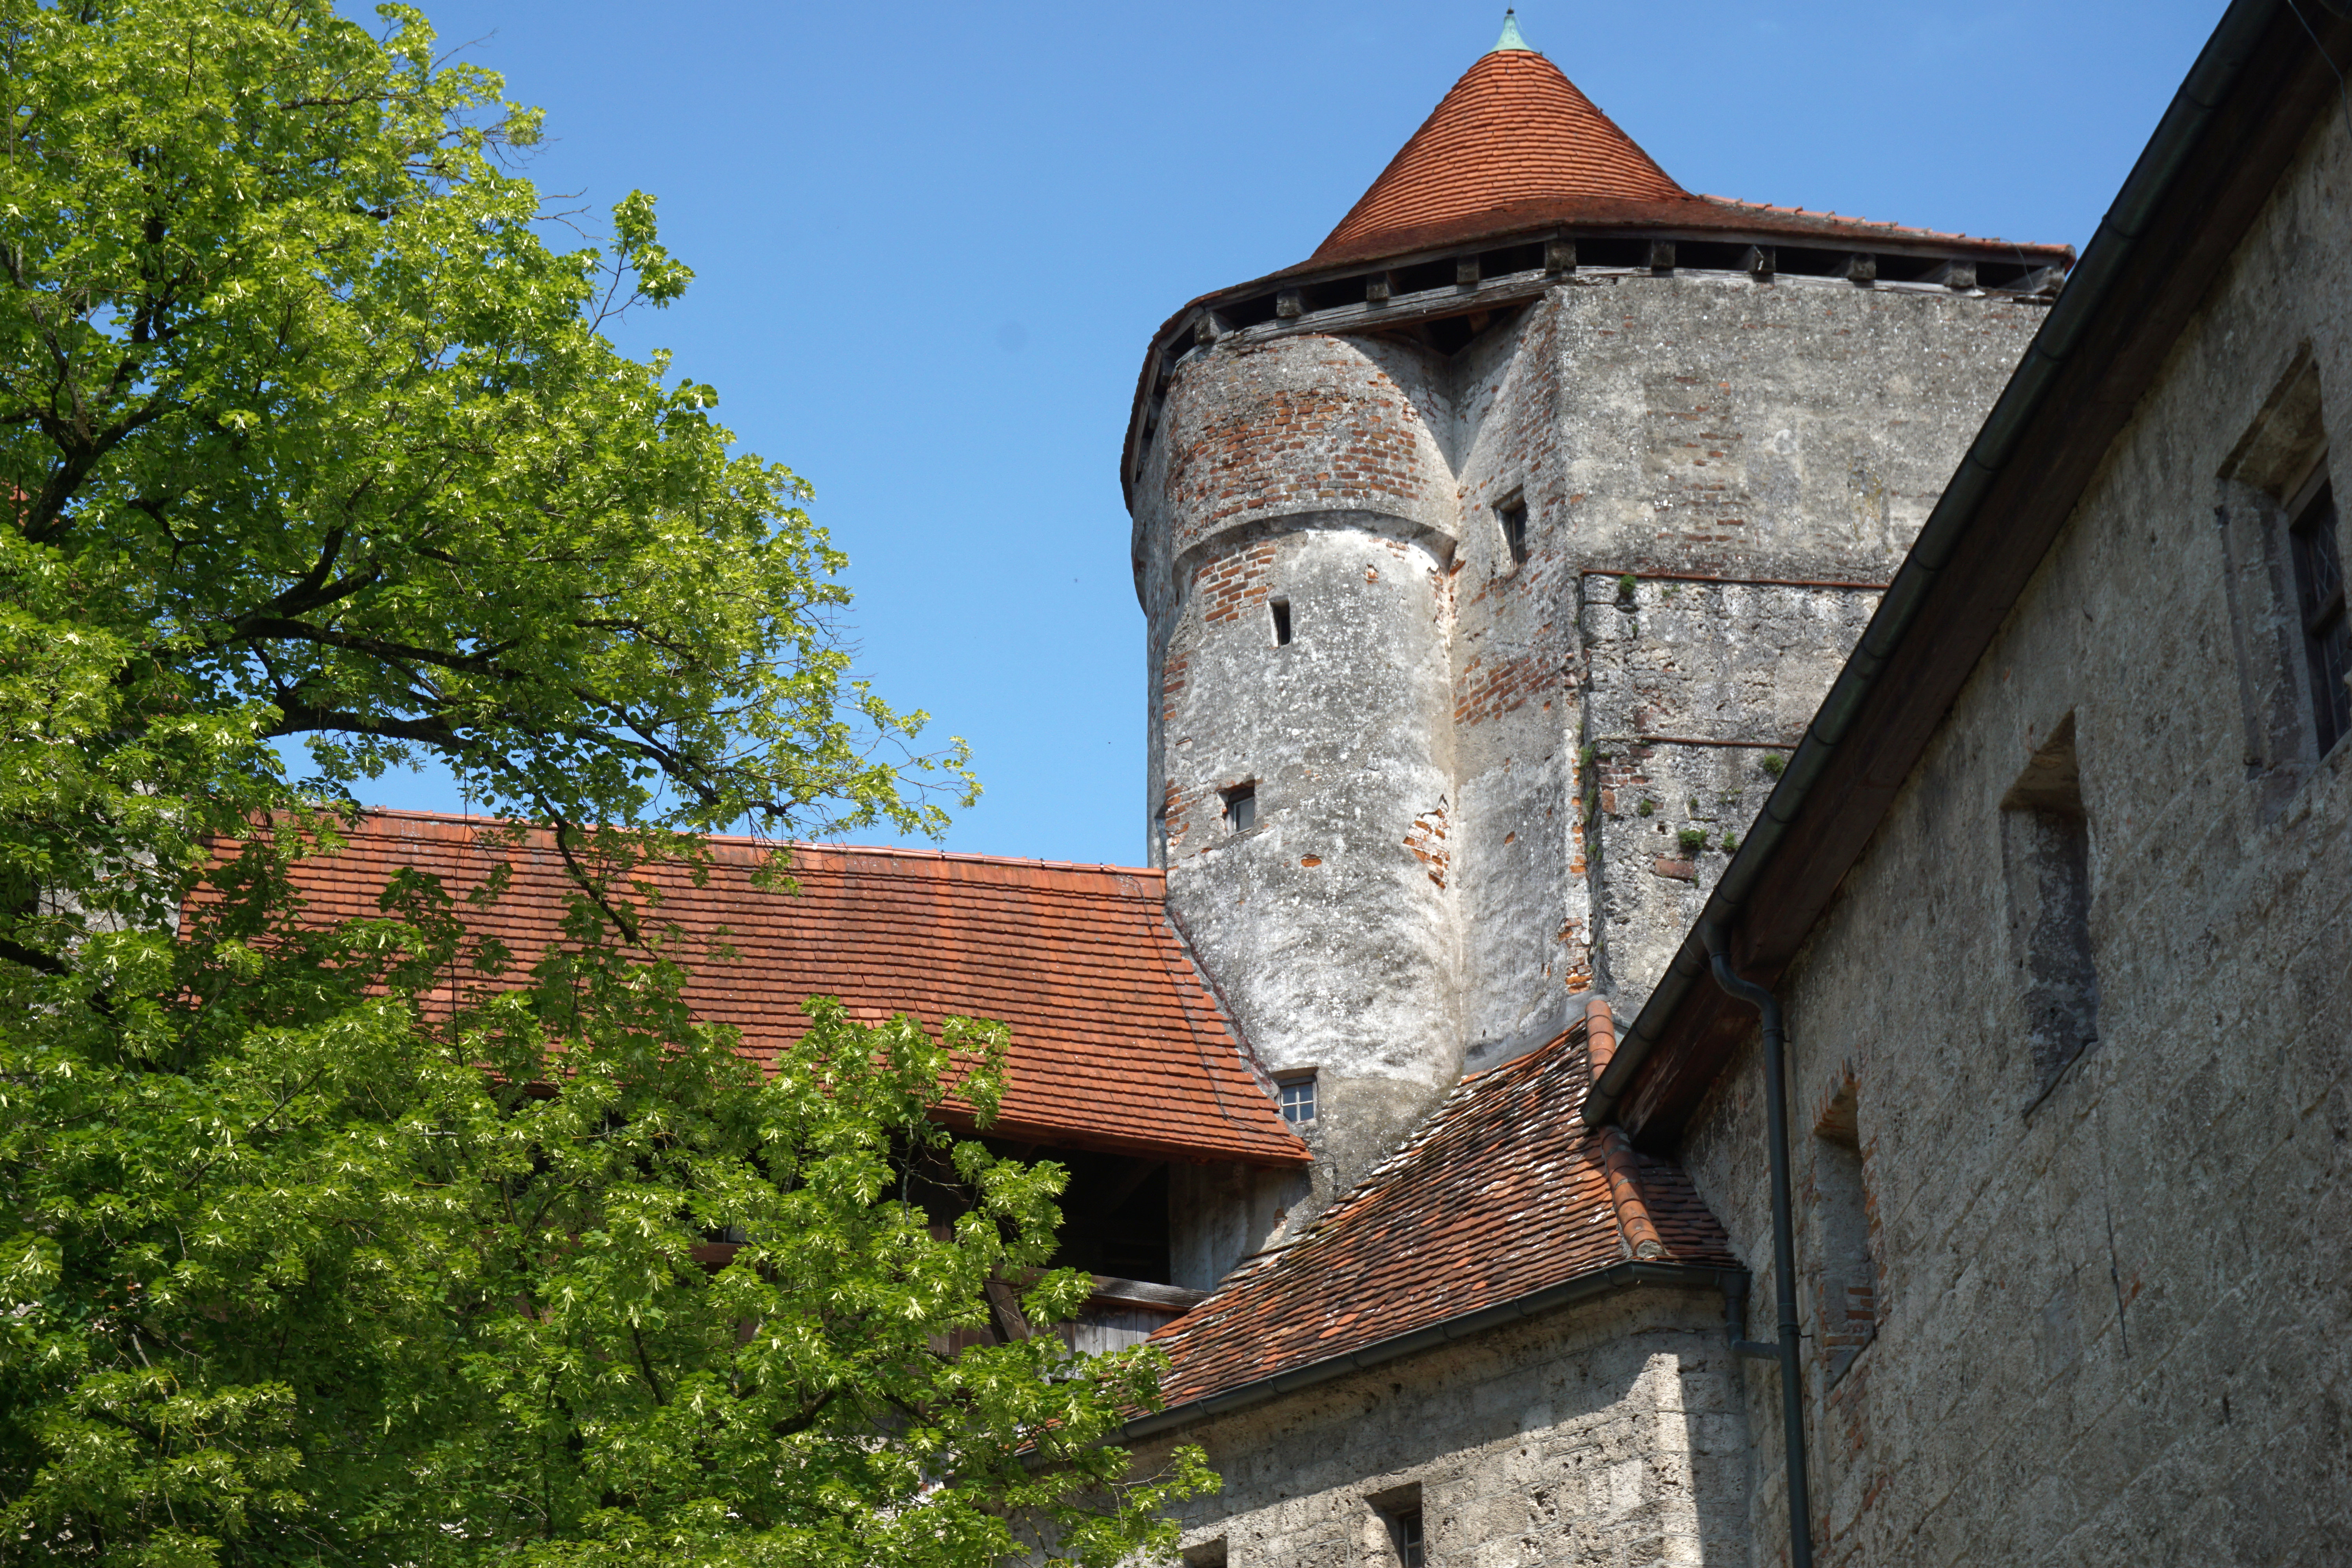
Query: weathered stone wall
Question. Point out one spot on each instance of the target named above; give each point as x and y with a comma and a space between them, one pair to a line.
2107, 1311
1695, 691
1341, 737
1603, 1434
1700, 427
1314, 472
1434, 874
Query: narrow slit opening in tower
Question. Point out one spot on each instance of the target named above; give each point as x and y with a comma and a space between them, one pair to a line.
1281, 623
1512, 515
1241, 808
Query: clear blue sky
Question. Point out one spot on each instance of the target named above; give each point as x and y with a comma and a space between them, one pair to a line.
930, 242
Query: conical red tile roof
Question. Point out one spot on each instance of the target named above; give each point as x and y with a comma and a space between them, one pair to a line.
1515, 142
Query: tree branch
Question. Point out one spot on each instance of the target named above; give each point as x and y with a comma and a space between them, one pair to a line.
33, 958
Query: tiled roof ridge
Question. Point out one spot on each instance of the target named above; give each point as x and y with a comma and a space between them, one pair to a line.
1512, 128
462, 822
1634, 1227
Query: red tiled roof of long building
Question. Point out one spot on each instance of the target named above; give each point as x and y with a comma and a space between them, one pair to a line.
1117, 1044
1504, 1192
1514, 147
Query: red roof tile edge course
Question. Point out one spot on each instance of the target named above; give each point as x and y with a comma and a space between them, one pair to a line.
1501, 1195
1118, 1042
1699, 216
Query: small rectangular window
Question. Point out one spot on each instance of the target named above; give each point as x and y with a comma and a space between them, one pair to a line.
2046, 855
2319, 607
2280, 526
1298, 1092
1405, 1531
1396, 1521
1849, 1268
1281, 622
1241, 808
1512, 515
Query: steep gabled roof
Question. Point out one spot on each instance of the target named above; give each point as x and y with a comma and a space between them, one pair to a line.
1502, 1194
1117, 1044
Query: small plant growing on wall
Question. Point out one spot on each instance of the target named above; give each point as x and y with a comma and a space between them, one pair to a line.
1774, 763
1731, 844
1647, 807
1691, 837
1625, 585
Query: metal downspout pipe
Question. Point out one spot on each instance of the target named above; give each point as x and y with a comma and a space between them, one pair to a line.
1784, 1249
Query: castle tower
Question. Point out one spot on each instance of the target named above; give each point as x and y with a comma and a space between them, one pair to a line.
1492, 555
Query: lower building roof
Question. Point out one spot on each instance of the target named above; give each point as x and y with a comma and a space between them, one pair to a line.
1117, 1043
1503, 1194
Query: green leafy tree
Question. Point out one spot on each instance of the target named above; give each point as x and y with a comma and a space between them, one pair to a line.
306, 433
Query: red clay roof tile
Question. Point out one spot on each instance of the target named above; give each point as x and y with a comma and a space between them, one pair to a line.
1502, 1193
1117, 1044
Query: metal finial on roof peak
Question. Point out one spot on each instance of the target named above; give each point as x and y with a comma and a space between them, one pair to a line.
1510, 38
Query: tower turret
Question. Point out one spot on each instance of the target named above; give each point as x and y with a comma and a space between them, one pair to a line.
1490, 554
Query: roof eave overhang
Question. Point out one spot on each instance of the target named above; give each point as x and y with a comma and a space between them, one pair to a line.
1048, 1135
2230, 131
1691, 217
1708, 219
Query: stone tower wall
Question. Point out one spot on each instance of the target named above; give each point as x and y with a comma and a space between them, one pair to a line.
1486, 785
1311, 471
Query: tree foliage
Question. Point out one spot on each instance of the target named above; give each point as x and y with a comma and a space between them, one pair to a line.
308, 432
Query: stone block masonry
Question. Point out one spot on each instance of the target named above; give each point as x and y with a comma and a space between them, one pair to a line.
1440, 862
2107, 1303
1694, 691
1607, 1433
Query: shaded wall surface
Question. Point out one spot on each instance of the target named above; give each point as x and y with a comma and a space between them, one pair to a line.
2088, 1309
